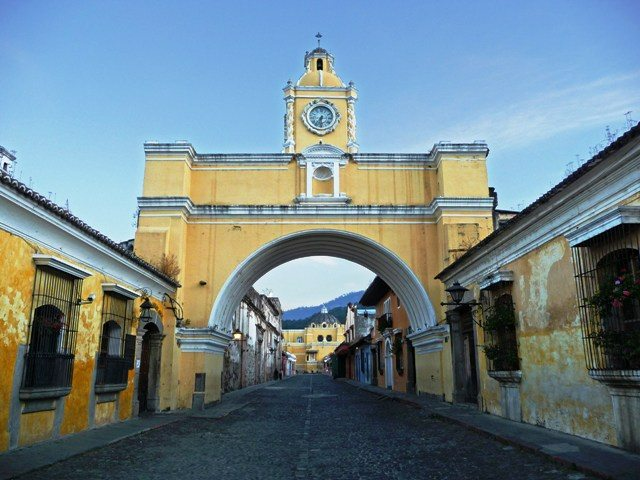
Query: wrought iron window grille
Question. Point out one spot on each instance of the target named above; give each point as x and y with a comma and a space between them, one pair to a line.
52, 331
607, 274
500, 339
117, 347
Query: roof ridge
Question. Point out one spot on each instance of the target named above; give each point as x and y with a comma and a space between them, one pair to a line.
620, 142
66, 215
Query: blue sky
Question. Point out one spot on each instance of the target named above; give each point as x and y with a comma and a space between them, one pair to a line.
85, 83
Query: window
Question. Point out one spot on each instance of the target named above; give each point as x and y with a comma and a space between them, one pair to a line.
607, 269
320, 338
52, 332
299, 339
329, 338
397, 352
500, 341
380, 358
322, 173
319, 64
117, 349
386, 306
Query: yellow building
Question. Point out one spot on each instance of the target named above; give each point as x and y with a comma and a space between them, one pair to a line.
230, 218
549, 353
312, 344
75, 350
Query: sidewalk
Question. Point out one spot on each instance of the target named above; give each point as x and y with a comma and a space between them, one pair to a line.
584, 455
27, 459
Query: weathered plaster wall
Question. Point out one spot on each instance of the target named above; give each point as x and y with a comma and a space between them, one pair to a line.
16, 290
556, 392
72, 413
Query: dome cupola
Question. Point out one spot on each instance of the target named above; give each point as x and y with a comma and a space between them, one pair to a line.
319, 71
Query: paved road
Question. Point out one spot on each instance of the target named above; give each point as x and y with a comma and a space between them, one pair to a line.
309, 426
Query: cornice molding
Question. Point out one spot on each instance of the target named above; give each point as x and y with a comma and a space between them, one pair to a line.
204, 340
120, 290
60, 265
618, 216
501, 276
155, 152
438, 206
429, 340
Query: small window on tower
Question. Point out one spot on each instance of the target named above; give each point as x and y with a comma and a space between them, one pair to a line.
319, 64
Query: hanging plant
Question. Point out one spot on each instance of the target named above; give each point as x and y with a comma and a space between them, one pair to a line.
502, 357
500, 317
618, 293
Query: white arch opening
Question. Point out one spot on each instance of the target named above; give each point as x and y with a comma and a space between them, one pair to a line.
333, 243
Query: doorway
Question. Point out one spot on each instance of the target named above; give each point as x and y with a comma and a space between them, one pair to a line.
388, 364
464, 355
149, 372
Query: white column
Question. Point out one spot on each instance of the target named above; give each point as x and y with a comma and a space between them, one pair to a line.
336, 178
309, 179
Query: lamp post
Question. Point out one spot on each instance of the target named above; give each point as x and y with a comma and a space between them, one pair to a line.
238, 336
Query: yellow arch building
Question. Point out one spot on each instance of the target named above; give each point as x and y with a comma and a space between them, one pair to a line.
230, 218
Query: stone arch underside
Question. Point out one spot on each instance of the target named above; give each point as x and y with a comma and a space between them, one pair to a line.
334, 243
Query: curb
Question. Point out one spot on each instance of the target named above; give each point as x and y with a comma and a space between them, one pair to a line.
4, 476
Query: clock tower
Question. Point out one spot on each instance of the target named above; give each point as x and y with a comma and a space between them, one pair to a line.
320, 108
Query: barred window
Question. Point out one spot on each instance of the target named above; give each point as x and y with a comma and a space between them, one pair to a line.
117, 348
52, 331
607, 271
500, 340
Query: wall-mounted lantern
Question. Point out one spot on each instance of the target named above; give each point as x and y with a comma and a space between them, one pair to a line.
145, 310
457, 292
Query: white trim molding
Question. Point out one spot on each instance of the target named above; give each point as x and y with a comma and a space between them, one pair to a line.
206, 340
120, 290
429, 340
501, 276
437, 207
606, 221
61, 265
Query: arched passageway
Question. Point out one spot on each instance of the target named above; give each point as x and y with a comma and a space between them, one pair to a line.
348, 246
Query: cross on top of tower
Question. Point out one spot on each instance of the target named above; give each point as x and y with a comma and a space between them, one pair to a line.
318, 36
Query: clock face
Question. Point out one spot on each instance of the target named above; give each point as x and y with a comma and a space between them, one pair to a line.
321, 117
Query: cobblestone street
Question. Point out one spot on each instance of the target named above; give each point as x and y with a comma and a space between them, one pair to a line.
309, 426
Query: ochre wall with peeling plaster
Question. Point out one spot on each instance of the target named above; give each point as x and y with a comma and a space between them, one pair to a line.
555, 391
17, 271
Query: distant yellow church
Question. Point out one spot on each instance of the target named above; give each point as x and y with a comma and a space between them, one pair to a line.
311, 345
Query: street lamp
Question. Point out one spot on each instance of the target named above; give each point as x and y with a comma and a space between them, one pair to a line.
457, 291
238, 336
145, 310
